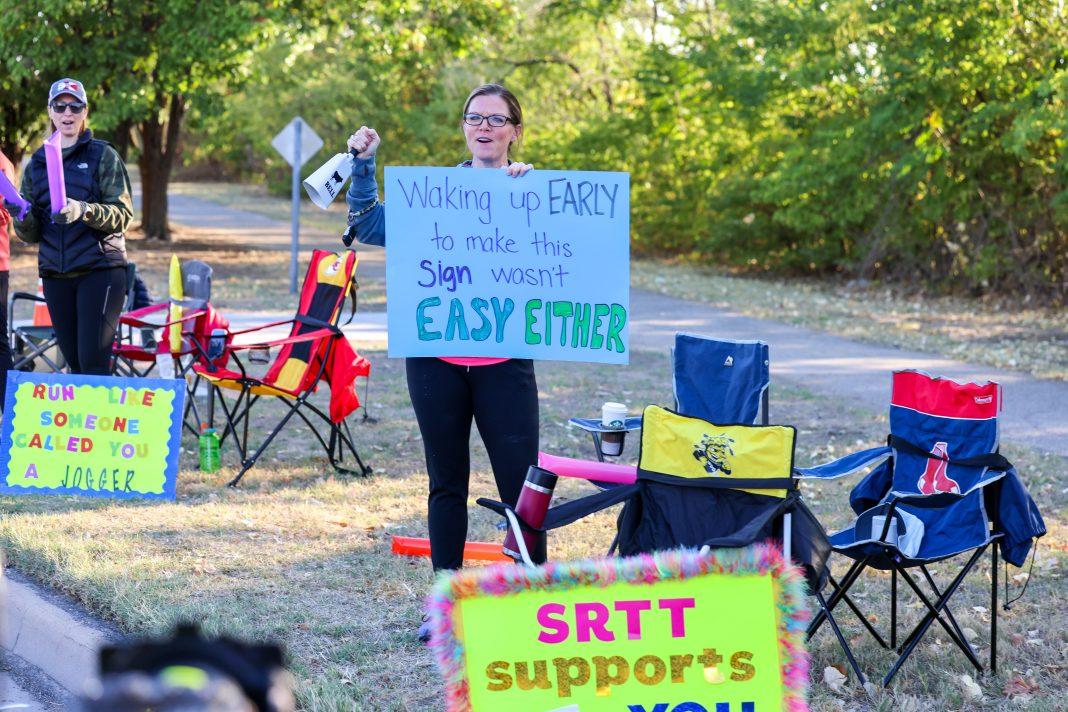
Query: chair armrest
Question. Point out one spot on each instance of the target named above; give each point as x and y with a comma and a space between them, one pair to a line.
849, 465
27, 296
261, 327
136, 317
332, 332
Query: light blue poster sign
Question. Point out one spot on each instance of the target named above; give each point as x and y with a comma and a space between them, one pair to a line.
482, 264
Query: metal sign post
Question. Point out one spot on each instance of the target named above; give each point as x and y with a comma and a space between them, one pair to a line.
297, 142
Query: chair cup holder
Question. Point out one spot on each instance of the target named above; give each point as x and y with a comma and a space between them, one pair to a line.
612, 442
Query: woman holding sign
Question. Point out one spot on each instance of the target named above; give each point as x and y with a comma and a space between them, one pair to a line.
82, 254
499, 395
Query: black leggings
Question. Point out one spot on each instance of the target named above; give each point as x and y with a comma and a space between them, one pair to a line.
503, 401
5, 344
85, 314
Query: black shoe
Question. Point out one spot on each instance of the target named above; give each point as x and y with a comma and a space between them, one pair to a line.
424, 630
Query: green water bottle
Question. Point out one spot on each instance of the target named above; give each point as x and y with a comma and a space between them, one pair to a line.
209, 449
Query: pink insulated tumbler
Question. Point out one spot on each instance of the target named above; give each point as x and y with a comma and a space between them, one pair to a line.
533, 503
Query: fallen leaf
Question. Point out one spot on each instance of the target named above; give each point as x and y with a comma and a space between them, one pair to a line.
339, 523
970, 688
1020, 685
834, 679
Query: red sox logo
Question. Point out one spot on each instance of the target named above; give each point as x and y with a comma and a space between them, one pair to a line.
934, 478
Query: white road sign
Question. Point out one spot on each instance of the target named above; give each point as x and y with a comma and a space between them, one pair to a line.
285, 141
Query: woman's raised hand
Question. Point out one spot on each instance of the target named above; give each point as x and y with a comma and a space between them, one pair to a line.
364, 142
518, 168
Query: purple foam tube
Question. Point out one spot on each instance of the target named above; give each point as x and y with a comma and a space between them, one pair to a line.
57, 186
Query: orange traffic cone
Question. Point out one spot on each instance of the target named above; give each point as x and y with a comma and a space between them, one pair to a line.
41, 317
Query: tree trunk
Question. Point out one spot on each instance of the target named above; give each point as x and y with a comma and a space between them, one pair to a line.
122, 138
159, 148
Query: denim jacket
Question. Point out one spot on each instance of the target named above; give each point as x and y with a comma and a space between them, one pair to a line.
367, 216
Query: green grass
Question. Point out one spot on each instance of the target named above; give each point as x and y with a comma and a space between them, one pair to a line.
301, 555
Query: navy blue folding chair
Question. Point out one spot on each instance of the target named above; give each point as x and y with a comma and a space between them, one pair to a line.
719, 380
939, 489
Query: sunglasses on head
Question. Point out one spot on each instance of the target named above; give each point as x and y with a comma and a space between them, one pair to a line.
76, 107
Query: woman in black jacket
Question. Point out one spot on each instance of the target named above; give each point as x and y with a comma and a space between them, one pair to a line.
82, 253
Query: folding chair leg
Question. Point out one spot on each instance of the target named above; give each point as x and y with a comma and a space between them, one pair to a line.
836, 597
893, 608
994, 608
338, 440
864, 621
191, 407
841, 638
841, 593
948, 612
933, 615
597, 446
247, 463
365, 470
211, 406
949, 623
231, 425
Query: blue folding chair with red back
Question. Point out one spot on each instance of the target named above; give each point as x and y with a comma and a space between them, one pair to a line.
939, 489
719, 380
316, 350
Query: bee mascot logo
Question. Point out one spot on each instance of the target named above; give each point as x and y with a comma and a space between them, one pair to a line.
715, 452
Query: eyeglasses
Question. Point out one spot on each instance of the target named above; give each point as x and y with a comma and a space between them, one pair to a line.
495, 120
76, 107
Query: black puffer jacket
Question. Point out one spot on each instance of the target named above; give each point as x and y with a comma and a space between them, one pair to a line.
77, 247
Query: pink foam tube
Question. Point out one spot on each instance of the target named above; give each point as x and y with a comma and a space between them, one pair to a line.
57, 186
11, 195
588, 469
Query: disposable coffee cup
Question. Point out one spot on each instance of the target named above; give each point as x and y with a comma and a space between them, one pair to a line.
613, 415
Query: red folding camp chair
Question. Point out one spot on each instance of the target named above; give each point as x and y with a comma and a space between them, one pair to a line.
315, 350
203, 337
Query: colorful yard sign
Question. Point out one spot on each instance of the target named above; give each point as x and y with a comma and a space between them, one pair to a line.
482, 264
98, 436
670, 632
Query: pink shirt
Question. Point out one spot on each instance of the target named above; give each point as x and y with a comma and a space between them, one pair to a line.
5, 249
471, 360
